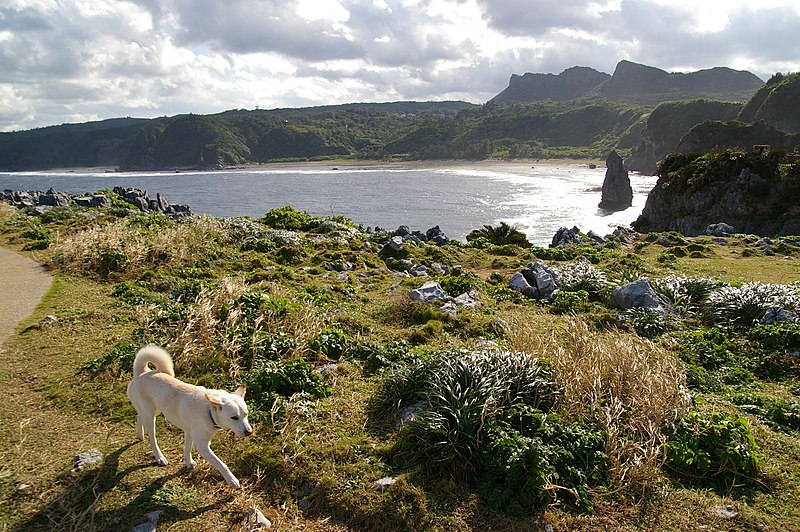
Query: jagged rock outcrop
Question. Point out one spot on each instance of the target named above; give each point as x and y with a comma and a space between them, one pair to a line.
536, 281
617, 190
41, 201
748, 202
565, 236
635, 83
569, 84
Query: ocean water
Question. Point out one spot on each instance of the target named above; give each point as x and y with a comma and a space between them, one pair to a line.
458, 198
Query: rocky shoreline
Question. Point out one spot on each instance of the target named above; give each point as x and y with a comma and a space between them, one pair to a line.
40, 202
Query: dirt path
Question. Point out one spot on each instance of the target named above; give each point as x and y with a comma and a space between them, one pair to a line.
22, 285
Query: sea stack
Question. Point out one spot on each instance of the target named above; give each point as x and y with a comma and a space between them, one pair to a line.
617, 191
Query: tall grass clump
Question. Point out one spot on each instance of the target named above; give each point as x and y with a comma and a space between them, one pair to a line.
582, 275
488, 417
258, 337
686, 293
126, 247
746, 305
626, 386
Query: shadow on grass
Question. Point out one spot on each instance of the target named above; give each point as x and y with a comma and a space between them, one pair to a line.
75, 508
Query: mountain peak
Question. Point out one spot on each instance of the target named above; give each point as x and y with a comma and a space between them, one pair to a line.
572, 83
633, 83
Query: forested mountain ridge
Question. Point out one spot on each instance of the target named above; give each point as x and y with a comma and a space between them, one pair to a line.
632, 83
646, 85
572, 83
607, 116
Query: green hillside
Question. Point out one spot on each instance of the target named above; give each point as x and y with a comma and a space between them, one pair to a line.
777, 103
669, 122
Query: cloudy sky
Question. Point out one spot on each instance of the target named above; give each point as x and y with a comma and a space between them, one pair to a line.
80, 60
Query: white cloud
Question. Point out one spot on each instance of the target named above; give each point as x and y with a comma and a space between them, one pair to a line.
63, 60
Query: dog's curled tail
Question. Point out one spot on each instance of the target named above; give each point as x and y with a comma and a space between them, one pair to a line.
152, 354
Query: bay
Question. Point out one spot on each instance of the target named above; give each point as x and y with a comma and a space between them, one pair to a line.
538, 199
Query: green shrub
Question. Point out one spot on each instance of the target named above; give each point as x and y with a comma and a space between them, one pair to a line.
648, 323
122, 354
686, 293
461, 390
563, 302
377, 356
455, 285
712, 445
290, 255
262, 346
691, 171
111, 260
537, 457
134, 294
709, 348
483, 416
262, 245
39, 236
502, 235
283, 378
777, 413
581, 276
781, 335
667, 258
331, 343
286, 218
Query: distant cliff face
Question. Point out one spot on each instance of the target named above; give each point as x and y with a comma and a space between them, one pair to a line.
570, 84
635, 83
632, 83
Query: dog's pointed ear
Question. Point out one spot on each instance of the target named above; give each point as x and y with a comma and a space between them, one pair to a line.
241, 390
216, 403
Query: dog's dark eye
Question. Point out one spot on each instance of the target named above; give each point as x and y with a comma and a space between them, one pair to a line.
235, 418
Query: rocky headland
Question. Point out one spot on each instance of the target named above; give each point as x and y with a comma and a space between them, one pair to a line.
754, 192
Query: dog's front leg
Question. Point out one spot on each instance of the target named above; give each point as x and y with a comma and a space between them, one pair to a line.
187, 451
205, 451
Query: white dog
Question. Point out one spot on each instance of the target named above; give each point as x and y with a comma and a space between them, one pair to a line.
200, 412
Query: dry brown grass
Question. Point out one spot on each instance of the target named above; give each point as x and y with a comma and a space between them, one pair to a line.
127, 248
6, 211
213, 314
630, 387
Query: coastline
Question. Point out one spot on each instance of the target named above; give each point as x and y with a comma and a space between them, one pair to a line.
337, 165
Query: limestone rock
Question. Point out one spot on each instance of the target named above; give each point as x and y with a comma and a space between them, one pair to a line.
536, 281
565, 236
720, 229
384, 483
429, 292
617, 190
639, 294
86, 459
